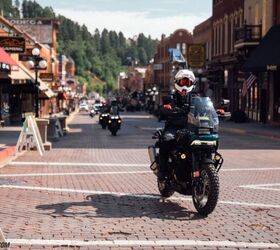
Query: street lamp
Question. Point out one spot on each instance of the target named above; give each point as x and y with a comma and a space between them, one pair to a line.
37, 63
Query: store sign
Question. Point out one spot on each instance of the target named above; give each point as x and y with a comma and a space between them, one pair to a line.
25, 58
48, 77
41, 29
271, 67
196, 55
157, 66
13, 44
4, 68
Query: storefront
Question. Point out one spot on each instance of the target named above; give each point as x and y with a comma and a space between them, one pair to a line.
7, 64
263, 99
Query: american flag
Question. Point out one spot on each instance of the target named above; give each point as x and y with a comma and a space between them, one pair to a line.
248, 82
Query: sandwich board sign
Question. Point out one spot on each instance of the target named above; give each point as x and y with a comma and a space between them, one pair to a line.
30, 137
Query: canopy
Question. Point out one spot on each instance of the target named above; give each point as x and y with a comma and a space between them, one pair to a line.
5, 58
267, 55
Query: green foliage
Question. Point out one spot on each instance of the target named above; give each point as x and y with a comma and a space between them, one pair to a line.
103, 54
31, 9
8, 10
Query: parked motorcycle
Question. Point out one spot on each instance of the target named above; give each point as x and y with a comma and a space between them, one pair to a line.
103, 120
194, 163
114, 124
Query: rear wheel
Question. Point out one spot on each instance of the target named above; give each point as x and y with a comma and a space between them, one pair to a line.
206, 191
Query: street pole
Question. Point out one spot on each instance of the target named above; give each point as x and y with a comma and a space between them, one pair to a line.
36, 91
37, 63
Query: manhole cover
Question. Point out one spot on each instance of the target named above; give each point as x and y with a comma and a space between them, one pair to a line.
274, 213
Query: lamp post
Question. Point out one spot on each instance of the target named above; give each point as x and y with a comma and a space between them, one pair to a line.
37, 63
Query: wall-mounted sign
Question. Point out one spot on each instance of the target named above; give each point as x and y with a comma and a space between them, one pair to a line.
4, 68
157, 66
41, 29
196, 55
271, 67
13, 44
24, 57
48, 77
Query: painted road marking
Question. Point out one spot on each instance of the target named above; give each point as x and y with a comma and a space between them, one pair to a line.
143, 196
78, 173
84, 164
122, 243
264, 187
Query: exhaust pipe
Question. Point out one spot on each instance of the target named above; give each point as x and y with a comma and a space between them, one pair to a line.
152, 155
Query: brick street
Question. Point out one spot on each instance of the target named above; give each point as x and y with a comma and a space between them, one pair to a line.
95, 191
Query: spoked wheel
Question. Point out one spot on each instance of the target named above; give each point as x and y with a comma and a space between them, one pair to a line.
165, 189
206, 191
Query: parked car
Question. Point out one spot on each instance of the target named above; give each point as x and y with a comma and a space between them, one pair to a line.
83, 107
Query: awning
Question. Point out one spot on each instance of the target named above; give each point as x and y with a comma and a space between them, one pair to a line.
267, 55
5, 58
46, 91
19, 77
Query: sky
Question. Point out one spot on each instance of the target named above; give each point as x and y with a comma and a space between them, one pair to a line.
151, 17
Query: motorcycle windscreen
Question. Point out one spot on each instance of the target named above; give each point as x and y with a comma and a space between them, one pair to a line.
202, 113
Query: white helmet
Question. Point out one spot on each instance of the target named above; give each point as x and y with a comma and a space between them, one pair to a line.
184, 80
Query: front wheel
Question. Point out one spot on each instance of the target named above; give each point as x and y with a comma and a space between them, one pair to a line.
206, 191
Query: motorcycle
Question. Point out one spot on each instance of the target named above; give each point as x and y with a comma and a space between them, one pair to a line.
194, 163
103, 120
92, 113
114, 124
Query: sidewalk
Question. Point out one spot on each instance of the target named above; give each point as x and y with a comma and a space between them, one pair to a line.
8, 140
251, 128
9, 137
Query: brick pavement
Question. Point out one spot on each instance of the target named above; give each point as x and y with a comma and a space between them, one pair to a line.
66, 212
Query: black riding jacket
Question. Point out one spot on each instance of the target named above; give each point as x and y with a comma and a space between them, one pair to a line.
177, 116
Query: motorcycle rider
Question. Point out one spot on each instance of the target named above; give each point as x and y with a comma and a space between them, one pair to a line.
175, 111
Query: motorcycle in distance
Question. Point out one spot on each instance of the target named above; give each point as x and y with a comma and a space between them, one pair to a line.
103, 120
114, 123
92, 113
194, 163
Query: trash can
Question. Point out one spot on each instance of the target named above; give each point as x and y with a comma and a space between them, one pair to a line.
43, 130
52, 133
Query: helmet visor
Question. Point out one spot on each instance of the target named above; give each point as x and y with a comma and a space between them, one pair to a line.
185, 82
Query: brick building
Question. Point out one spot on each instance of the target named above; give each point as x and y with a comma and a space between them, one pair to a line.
163, 76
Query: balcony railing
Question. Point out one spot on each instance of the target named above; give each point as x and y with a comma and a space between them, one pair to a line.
248, 34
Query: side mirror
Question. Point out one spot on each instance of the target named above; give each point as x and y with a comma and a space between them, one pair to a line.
225, 103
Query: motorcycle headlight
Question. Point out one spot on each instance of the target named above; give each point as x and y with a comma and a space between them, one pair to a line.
119, 121
100, 118
109, 121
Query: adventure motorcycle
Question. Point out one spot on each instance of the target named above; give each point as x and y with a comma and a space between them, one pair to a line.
194, 163
103, 120
114, 124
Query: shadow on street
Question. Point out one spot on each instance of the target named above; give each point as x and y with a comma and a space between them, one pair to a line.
113, 206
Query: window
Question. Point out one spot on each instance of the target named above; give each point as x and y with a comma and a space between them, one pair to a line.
178, 46
184, 48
